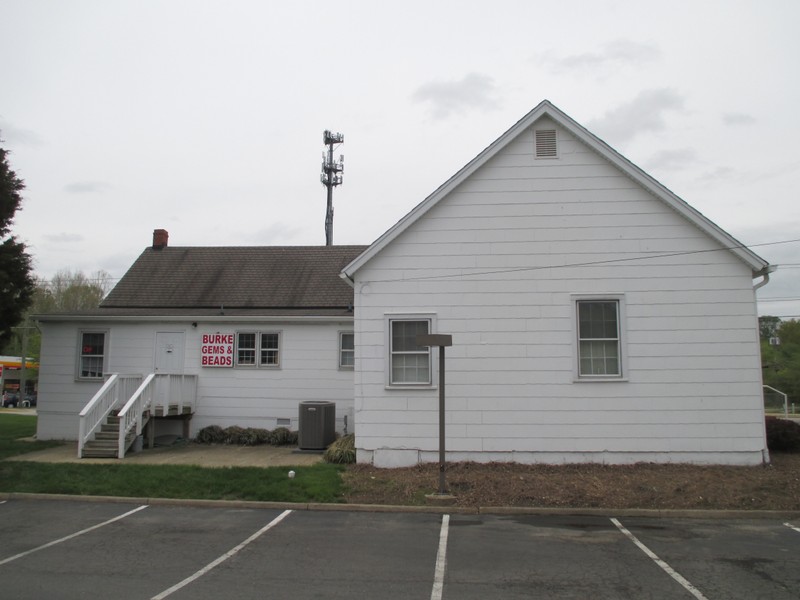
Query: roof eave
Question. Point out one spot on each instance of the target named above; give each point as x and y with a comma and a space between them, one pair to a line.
64, 318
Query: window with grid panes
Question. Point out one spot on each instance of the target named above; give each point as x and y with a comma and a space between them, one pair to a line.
92, 354
409, 363
599, 338
257, 349
346, 350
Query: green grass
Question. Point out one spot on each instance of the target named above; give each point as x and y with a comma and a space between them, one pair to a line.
317, 483
12, 428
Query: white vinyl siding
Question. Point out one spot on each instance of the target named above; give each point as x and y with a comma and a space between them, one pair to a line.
501, 262
247, 397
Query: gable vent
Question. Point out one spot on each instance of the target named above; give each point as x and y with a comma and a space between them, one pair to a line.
546, 146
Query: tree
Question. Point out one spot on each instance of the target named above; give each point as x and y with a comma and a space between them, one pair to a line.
16, 279
781, 362
768, 326
69, 291
65, 292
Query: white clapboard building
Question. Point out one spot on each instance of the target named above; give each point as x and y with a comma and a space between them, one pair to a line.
595, 317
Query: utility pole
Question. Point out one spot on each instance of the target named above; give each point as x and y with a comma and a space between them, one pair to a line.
22, 382
331, 177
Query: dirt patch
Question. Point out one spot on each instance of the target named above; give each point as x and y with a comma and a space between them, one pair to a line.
654, 486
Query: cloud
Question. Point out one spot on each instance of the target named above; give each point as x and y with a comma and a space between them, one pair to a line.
64, 238
274, 235
642, 114
671, 160
612, 54
446, 98
738, 119
779, 170
18, 135
87, 187
719, 174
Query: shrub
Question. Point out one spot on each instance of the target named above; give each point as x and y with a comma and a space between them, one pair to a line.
252, 436
282, 437
342, 451
213, 434
235, 435
782, 435
261, 436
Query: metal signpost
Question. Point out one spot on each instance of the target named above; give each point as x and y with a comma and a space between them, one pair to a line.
442, 341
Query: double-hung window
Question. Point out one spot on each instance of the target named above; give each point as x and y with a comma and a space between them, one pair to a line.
91, 361
258, 349
600, 350
347, 353
409, 364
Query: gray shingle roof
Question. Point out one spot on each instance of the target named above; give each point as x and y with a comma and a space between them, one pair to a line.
242, 280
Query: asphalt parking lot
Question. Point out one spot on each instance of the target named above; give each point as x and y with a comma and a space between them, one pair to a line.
80, 549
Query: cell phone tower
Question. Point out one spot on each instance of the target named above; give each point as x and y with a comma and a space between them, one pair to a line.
331, 177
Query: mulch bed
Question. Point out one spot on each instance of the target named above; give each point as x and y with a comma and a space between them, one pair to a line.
644, 485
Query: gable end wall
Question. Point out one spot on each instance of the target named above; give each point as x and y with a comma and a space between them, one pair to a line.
498, 262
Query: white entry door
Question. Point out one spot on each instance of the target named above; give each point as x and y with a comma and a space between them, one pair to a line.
170, 347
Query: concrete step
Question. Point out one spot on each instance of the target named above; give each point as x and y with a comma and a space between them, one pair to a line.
96, 453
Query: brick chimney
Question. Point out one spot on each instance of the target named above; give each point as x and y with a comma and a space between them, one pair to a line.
160, 239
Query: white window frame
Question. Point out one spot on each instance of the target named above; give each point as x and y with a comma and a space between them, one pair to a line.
257, 350
622, 351
350, 351
432, 374
104, 356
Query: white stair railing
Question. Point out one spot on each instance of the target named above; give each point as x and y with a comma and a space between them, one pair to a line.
114, 392
780, 393
176, 392
131, 417
155, 392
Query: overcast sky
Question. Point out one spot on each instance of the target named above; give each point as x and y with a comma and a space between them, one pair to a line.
205, 118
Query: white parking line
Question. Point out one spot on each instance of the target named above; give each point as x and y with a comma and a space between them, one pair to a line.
790, 526
69, 537
441, 560
222, 558
669, 570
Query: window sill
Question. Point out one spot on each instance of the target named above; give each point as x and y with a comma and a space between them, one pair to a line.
412, 386
599, 379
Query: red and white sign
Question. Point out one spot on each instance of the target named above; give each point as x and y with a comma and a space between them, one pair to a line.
217, 350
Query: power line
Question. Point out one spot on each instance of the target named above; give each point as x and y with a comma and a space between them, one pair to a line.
585, 264
101, 280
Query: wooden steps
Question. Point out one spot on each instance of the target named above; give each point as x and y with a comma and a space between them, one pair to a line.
106, 441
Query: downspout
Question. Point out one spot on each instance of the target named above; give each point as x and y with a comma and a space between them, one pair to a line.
765, 274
